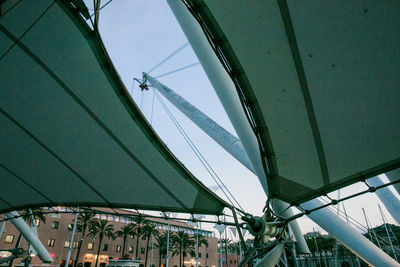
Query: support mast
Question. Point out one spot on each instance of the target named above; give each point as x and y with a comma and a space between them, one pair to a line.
227, 141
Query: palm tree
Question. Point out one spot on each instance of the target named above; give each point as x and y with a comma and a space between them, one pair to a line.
102, 229
161, 245
140, 222
84, 220
149, 229
36, 213
125, 231
182, 244
202, 240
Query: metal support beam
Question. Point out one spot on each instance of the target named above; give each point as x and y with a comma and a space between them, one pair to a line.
222, 84
224, 138
230, 143
167, 256
273, 257
71, 242
348, 236
394, 176
25, 230
3, 225
391, 202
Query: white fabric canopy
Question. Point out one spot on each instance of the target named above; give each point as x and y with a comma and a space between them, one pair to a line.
321, 81
69, 132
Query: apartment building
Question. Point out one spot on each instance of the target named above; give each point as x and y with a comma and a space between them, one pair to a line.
55, 234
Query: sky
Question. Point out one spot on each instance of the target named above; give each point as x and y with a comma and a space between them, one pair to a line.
138, 34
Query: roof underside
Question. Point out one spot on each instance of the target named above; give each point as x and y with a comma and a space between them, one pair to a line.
322, 82
69, 131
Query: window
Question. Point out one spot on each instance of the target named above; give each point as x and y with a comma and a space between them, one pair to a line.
75, 244
142, 251
50, 242
54, 225
118, 248
230, 261
105, 247
207, 255
9, 239
199, 255
90, 246
37, 222
77, 229
130, 249
66, 244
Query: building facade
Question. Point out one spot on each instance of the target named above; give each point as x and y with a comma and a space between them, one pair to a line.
55, 235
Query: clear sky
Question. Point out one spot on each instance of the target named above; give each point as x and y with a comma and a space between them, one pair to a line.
140, 33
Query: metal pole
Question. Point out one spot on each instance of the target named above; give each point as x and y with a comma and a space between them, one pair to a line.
230, 143
226, 246
72, 239
152, 249
197, 244
167, 257
25, 230
220, 249
273, 257
348, 236
316, 247
222, 83
394, 176
387, 232
3, 225
224, 138
391, 202
371, 229
240, 251
347, 219
368, 229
